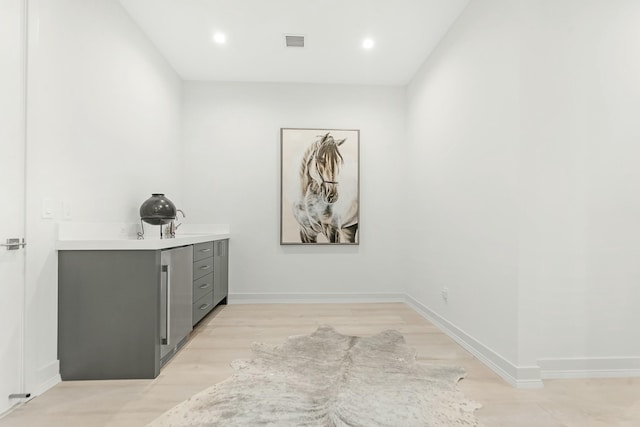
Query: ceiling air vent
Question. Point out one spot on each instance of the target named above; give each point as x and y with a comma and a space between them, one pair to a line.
294, 41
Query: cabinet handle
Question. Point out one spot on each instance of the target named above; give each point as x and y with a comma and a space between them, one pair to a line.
205, 250
205, 267
204, 306
205, 286
164, 334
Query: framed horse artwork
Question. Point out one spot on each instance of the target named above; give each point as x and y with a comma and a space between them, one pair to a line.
320, 187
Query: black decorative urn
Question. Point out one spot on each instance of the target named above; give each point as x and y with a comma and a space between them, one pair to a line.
157, 210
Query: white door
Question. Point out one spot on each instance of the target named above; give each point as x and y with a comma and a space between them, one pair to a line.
12, 193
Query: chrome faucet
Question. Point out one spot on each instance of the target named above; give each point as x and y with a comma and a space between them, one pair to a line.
172, 227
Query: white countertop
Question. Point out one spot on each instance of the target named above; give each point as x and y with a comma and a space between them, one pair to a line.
84, 236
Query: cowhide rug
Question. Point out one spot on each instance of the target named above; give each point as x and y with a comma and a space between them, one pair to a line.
329, 379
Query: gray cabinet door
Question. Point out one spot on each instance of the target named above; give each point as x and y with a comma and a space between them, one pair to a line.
202, 307
202, 250
108, 314
176, 297
220, 270
202, 286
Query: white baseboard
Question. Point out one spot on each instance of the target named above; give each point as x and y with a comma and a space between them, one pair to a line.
517, 376
604, 367
47, 377
311, 298
10, 409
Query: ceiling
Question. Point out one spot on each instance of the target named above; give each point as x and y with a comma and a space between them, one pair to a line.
405, 32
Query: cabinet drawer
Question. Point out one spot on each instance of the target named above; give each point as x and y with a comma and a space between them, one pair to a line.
202, 268
202, 286
201, 307
202, 251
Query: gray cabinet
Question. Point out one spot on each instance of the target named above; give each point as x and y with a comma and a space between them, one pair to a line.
109, 310
203, 280
220, 271
211, 277
113, 321
176, 297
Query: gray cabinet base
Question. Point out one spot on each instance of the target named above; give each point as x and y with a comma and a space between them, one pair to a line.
108, 314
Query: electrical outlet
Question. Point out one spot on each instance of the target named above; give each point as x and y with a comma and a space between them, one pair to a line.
445, 294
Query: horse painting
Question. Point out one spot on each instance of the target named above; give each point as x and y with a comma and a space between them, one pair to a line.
317, 209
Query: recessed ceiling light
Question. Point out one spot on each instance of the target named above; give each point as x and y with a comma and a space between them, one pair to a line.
368, 43
220, 38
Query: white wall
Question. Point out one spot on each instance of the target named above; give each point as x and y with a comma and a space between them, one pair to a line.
525, 123
581, 230
232, 175
463, 126
103, 133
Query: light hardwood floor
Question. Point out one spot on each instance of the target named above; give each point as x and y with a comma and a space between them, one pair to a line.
228, 332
